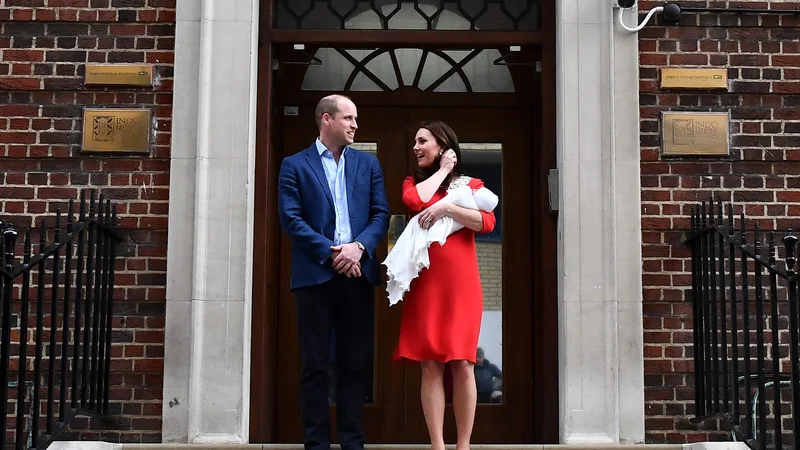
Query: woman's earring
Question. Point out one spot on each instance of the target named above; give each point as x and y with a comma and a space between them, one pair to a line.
441, 152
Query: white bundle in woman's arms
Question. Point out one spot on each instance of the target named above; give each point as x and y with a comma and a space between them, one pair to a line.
481, 199
410, 252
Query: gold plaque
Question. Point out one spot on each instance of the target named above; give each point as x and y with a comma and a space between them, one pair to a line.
694, 78
118, 75
116, 130
695, 133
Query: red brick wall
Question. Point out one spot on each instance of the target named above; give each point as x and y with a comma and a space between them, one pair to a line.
762, 55
44, 46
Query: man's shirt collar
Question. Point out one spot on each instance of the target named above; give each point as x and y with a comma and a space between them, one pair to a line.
322, 149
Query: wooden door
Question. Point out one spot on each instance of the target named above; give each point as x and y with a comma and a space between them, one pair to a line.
384, 414
497, 147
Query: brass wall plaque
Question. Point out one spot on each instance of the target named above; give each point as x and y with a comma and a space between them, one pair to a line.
118, 75
694, 78
116, 130
695, 133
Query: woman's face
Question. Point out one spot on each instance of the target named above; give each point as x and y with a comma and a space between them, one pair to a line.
426, 148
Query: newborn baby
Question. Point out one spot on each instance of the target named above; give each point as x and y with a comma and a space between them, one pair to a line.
410, 252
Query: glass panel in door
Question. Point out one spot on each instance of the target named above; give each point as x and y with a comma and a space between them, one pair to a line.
485, 161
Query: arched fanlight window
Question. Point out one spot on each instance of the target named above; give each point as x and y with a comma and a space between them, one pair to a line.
486, 15
426, 70
392, 69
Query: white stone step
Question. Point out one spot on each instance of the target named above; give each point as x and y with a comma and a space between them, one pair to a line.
109, 446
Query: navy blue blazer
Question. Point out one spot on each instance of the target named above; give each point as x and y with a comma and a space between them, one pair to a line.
307, 215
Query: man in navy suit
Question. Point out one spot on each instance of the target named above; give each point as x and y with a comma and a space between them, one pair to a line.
332, 204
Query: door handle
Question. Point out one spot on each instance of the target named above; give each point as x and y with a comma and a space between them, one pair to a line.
397, 223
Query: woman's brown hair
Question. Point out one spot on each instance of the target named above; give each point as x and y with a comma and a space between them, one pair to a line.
446, 139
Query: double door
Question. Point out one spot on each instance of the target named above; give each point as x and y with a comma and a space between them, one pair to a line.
498, 147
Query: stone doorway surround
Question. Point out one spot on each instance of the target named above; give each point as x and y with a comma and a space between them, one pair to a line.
209, 262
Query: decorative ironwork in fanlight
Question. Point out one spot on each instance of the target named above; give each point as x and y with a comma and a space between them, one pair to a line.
485, 15
343, 70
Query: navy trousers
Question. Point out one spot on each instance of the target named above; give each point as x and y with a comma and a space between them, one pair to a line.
341, 310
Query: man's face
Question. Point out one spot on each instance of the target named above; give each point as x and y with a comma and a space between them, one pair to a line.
341, 127
479, 360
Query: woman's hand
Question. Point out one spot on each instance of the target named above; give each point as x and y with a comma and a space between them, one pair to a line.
448, 161
426, 189
435, 212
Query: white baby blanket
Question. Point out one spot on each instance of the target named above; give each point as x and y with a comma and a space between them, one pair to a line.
410, 253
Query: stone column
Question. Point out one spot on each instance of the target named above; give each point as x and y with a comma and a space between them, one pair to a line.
600, 305
209, 263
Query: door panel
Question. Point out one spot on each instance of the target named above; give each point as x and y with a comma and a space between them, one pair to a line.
394, 413
384, 413
509, 421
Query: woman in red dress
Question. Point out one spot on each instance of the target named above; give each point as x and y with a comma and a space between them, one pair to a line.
442, 310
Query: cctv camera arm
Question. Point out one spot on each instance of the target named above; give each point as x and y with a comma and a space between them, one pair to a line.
647, 18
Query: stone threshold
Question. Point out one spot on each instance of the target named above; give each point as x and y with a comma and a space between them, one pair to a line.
84, 445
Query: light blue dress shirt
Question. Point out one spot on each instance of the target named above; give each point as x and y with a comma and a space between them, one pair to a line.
338, 185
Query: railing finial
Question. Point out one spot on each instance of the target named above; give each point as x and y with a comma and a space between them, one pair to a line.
789, 242
82, 208
91, 203
10, 241
743, 227
771, 248
704, 215
757, 238
27, 254
731, 230
58, 226
70, 212
42, 235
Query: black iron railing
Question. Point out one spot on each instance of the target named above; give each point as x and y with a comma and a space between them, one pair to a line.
57, 298
745, 327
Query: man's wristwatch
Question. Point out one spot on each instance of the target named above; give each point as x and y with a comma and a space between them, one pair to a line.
361, 246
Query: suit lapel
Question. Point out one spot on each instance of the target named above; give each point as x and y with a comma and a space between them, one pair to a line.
350, 174
313, 158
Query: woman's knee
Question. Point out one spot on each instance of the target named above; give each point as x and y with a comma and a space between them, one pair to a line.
433, 368
462, 369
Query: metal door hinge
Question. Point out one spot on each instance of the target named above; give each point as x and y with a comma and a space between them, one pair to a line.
552, 190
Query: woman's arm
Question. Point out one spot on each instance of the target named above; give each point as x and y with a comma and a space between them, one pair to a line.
477, 221
470, 218
427, 188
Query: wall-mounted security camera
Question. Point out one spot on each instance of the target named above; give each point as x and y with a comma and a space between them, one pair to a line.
672, 12
626, 4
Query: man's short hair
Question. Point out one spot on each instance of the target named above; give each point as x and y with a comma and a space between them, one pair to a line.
480, 353
329, 105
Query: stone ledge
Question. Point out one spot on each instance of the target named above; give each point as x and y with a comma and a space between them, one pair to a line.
111, 446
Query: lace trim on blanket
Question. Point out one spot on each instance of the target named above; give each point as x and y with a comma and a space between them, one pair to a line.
458, 182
